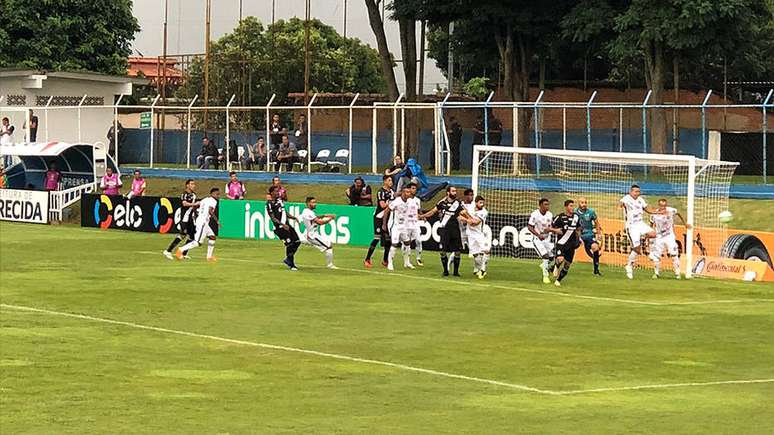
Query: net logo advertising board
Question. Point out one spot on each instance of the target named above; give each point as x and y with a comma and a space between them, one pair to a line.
24, 206
142, 213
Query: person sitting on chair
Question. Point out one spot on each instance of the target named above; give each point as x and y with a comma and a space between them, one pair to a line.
286, 154
208, 155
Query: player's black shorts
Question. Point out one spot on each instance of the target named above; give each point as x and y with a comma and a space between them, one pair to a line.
287, 236
566, 251
451, 238
378, 226
188, 229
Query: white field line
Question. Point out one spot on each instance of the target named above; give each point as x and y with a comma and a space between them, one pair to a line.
384, 363
513, 288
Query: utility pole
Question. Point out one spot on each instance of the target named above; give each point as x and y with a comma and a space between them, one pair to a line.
163, 75
450, 64
422, 59
240, 11
208, 8
345, 18
307, 62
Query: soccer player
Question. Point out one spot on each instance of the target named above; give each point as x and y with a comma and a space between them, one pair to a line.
478, 243
567, 228
540, 226
665, 240
312, 224
590, 228
470, 207
405, 214
235, 189
416, 245
634, 206
384, 196
275, 208
188, 213
206, 226
450, 209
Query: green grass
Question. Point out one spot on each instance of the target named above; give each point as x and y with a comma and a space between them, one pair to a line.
61, 374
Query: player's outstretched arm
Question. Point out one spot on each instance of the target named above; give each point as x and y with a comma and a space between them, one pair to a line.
685, 222
430, 213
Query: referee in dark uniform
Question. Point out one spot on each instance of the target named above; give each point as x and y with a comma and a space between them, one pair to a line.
449, 210
276, 211
567, 228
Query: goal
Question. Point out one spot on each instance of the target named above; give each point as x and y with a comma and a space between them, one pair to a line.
513, 179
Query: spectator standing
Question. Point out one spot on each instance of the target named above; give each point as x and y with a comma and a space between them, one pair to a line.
138, 185
454, 133
301, 133
495, 129
110, 182
394, 170
235, 189
3, 181
359, 193
233, 152
276, 131
6, 132
52, 178
478, 131
111, 136
282, 193
287, 154
32, 122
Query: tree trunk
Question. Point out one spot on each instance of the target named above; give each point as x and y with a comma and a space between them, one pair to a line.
676, 111
521, 90
377, 26
408, 46
654, 58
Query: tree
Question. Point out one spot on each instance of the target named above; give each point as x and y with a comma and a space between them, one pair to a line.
385, 56
67, 35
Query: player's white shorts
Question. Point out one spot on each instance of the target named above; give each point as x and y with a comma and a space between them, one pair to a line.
405, 235
478, 244
663, 244
636, 231
544, 248
319, 241
203, 231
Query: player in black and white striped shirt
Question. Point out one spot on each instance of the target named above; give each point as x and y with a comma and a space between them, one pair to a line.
383, 198
567, 228
275, 208
187, 218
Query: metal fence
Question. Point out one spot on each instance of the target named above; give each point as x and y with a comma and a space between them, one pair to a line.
365, 137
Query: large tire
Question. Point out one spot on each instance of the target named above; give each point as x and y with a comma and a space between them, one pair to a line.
745, 247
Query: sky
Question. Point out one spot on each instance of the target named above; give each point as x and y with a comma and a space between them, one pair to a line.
186, 25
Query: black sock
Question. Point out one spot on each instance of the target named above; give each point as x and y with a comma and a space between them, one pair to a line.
563, 273
457, 260
445, 263
596, 261
372, 248
386, 255
174, 243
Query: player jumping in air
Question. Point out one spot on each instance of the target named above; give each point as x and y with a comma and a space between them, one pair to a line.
206, 226
634, 206
665, 240
312, 224
568, 232
478, 242
275, 208
405, 214
450, 209
188, 214
590, 229
384, 196
540, 226
416, 245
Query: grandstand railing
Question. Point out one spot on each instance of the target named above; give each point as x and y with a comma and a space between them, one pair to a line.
59, 200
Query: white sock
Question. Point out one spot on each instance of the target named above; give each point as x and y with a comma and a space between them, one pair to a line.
329, 257
656, 265
210, 248
391, 256
476, 263
450, 260
632, 258
406, 250
484, 262
419, 249
190, 245
676, 264
544, 265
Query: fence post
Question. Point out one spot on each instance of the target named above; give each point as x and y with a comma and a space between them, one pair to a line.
228, 132
351, 104
620, 130
115, 127
267, 141
309, 134
588, 119
537, 134
45, 116
442, 159
704, 125
374, 133
645, 125
79, 118
486, 118
403, 132
155, 100
395, 125
765, 131
564, 126
188, 139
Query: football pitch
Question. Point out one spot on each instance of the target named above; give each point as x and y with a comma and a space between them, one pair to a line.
101, 334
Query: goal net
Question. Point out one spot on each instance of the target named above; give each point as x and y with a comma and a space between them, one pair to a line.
513, 180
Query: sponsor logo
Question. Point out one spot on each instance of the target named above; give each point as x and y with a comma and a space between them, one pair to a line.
150, 214
258, 225
166, 205
24, 206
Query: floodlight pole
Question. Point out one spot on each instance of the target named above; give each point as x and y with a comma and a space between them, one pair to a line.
765, 131
395, 125
155, 100
351, 104
486, 117
188, 139
309, 134
704, 124
115, 126
228, 131
588, 119
45, 114
267, 139
79, 117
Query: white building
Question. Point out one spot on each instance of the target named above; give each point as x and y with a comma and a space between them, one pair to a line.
21, 90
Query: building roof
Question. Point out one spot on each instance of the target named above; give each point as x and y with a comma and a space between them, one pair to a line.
72, 75
151, 67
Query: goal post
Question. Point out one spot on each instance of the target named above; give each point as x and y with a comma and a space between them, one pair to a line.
513, 179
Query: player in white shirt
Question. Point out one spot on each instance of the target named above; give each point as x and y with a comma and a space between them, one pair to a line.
404, 211
312, 224
479, 243
417, 245
665, 240
635, 207
207, 225
540, 226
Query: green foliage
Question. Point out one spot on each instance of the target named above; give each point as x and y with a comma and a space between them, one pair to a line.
57, 35
477, 87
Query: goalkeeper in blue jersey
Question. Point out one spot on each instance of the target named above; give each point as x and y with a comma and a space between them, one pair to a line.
590, 229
